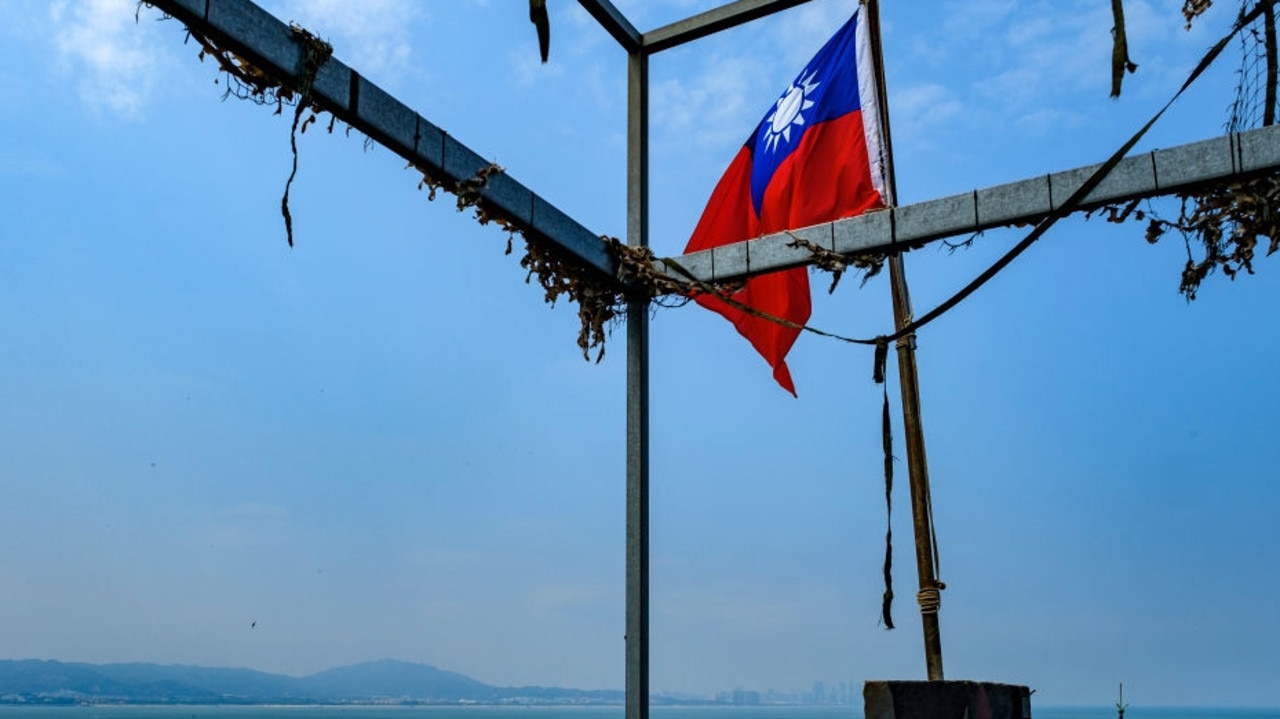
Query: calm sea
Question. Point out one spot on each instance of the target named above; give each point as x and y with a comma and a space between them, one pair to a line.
600, 712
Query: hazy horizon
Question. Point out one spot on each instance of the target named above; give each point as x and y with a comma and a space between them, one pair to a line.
703, 694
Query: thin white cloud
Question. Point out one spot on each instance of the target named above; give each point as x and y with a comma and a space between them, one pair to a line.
26, 164
972, 20
102, 43
803, 30
528, 67
917, 109
371, 35
714, 108
1030, 65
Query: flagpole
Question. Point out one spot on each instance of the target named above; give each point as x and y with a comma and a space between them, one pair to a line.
917, 464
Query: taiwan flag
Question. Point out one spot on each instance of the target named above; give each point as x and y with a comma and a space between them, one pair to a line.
815, 157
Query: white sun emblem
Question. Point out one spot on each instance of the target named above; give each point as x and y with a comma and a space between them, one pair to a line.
789, 111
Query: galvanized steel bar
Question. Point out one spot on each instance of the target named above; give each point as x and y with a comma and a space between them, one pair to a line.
269, 44
614, 22
713, 21
637, 618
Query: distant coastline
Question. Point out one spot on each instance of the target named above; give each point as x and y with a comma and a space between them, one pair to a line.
386, 682
154, 689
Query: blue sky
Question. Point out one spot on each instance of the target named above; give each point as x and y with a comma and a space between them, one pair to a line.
382, 442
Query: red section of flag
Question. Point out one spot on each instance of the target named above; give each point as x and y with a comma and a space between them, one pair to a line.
827, 177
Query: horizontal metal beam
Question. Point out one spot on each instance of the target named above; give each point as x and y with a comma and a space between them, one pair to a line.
257, 36
713, 21
614, 22
1161, 172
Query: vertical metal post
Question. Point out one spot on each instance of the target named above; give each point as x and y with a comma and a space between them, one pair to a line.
637, 640
913, 430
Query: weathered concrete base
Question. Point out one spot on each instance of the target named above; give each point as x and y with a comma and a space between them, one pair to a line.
945, 700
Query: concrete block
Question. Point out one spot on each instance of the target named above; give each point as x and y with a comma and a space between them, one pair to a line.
1259, 149
774, 252
1186, 165
942, 217
729, 261
945, 700
821, 235
1021, 201
1131, 177
699, 264
868, 230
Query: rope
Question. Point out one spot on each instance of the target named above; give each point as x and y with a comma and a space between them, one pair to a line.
697, 286
930, 599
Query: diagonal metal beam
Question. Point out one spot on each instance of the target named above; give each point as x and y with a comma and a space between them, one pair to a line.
1162, 172
614, 22
269, 44
713, 21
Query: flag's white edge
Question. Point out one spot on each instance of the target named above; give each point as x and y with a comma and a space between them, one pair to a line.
869, 98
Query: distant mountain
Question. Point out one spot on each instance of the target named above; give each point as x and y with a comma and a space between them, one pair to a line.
390, 679
52, 682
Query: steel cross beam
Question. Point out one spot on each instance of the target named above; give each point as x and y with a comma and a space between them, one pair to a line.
689, 29
713, 21
269, 44
615, 23
1175, 169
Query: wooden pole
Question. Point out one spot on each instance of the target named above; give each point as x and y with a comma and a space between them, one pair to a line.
917, 464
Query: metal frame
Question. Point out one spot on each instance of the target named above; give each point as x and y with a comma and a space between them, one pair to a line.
639, 47
268, 43
252, 33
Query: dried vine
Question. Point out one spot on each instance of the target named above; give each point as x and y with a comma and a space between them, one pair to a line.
1221, 224
641, 275
837, 264
317, 52
246, 81
601, 302
1220, 227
